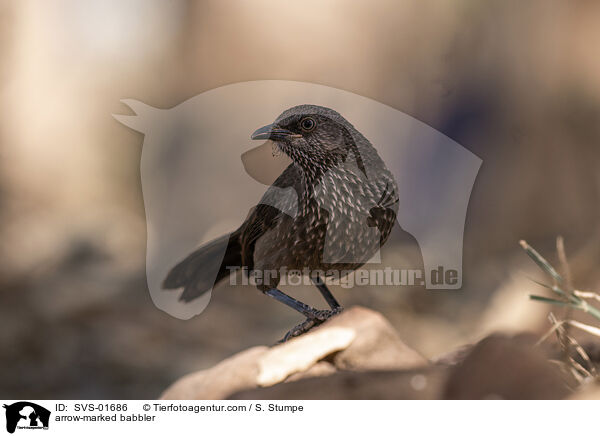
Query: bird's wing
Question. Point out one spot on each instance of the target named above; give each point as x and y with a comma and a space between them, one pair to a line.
265, 216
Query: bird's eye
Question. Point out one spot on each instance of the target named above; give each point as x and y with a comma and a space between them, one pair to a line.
307, 124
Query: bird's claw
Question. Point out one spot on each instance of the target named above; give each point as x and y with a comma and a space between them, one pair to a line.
317, 317
324, 315
301, 328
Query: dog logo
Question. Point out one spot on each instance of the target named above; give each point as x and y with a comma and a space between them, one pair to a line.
26, 415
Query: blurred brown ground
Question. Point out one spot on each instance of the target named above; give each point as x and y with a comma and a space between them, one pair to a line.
516, 83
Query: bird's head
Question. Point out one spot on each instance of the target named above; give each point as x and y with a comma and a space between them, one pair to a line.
310, 135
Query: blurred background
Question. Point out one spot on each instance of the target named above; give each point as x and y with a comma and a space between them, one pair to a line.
517, 83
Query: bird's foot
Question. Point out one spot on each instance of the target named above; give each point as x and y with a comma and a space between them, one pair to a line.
300, 329
317, 317
324, 315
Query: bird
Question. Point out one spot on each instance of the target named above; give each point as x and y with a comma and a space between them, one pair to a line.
342, 209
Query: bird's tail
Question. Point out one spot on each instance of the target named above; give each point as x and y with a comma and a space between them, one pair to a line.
196, 273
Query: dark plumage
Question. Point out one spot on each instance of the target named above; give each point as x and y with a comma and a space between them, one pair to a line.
343, 193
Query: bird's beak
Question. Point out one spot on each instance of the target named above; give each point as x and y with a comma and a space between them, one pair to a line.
271, 132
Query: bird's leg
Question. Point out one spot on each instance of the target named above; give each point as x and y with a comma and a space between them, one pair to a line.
304, 309
298, 330
326, 293
313, 316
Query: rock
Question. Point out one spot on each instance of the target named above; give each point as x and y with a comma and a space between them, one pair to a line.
358, 355
501, 367
587, 392
377, 345
453, 357
356, 340
415, 384
231, 375
302, 353
319, 369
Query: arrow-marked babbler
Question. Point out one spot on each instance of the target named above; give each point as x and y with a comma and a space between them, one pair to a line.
344, 193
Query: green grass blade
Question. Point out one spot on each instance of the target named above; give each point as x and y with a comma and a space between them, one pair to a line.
551, 301
542, 263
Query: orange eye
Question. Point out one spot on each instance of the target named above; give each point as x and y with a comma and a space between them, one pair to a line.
308, 124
